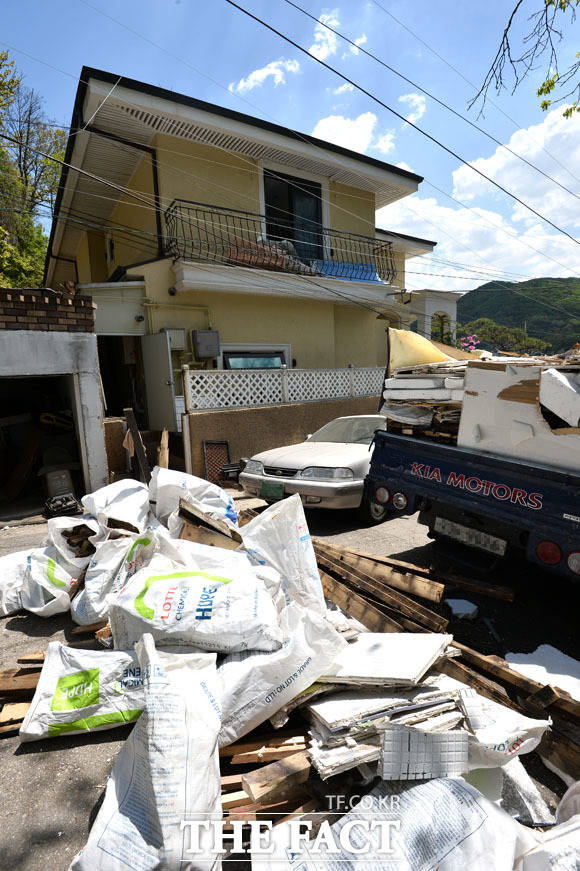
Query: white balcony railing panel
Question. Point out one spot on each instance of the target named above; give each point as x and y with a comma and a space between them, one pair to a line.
208, 389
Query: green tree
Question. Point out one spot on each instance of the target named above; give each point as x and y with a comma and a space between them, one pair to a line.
498, 337
28, 179
9, 82
538, 45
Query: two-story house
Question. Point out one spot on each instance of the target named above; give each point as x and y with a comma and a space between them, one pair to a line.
222, 242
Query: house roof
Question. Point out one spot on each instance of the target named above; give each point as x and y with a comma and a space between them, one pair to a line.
108, 106
417, 239
411, 246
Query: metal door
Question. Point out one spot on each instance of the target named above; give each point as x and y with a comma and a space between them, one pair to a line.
156, 352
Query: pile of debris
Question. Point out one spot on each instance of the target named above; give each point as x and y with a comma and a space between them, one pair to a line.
266, 673
425, 389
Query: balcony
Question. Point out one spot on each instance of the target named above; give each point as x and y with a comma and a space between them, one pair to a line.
200, 232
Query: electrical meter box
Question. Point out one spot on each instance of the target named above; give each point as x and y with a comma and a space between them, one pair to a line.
206, 344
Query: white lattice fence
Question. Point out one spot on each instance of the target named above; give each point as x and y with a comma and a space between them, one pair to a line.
242, 388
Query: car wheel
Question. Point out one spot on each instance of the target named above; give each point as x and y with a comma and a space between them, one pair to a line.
373, 512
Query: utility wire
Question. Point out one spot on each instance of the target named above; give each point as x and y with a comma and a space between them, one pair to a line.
252, 165
434, 52
431, 96
401, 117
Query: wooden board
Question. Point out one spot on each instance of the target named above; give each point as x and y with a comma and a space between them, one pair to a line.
399, 579
13, 712
231, 782
354, 605
142, 461
564, 704
274, 780
190, 512
393, 598
562, 751
19, 682
265, 754
201, 535
449, 580
163, 451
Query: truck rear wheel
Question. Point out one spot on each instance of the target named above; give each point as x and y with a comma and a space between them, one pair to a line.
374, 513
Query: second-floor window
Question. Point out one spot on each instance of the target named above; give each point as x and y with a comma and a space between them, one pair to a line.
294, 213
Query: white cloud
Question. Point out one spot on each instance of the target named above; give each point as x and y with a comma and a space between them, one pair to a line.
343, 89
417, 105
353, 133
360, 41
386, 142
276, 70
560, 137
480, 239
325, 42
402, 165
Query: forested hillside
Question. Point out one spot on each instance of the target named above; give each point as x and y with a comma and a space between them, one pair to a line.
549, 308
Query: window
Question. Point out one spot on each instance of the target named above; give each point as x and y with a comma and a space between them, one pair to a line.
253, 359
293, 212
350, 430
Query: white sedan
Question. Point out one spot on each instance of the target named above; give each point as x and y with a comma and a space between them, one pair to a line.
327, 470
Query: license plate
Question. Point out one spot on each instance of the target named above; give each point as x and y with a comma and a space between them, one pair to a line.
272, 490
472, 537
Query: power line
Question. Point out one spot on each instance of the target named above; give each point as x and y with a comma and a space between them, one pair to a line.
402, 118
434, 52
431, 96
252, 165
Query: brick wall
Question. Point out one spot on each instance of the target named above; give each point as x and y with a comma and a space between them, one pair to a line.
41, 309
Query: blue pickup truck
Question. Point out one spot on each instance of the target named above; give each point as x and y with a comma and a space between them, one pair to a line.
485, 501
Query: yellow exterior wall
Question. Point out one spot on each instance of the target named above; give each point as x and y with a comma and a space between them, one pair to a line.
90, 257
130, 212
352, 210
192, 171
83, 260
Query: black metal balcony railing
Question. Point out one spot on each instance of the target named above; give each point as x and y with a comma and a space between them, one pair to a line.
201, 232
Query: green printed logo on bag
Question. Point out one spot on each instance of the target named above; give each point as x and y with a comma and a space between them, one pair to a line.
78, 690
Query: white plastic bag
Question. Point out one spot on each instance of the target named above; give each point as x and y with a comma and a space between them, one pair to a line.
12, 578
443, 824
167, 487
103, 577
256, 685
500, 734
66, 555
279, 538
167, 772
216, 601
124, 504
83, 690
47, 585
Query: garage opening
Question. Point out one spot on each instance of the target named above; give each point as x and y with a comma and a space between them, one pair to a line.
122, 376
39, 452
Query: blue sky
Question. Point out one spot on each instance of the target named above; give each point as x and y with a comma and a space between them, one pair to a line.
246, 68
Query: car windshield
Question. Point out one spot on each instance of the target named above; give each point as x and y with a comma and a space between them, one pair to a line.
352, 430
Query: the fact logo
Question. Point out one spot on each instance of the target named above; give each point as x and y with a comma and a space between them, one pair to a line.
354, 837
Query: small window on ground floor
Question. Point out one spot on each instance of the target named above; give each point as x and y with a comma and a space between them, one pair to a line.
253, 359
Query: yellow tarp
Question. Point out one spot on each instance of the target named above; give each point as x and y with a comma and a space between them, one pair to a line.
410, 349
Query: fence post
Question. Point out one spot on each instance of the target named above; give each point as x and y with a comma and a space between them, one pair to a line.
351, 378
284, 384
186, 382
